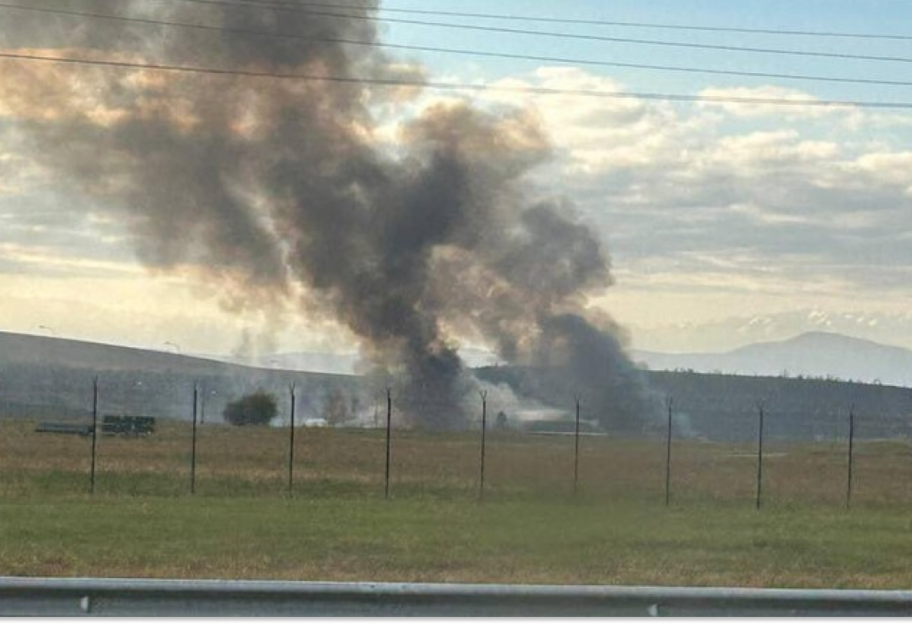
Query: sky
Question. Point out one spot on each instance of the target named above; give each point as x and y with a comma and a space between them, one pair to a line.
708, 211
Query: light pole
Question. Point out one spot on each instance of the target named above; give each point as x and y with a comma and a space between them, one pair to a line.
203, 397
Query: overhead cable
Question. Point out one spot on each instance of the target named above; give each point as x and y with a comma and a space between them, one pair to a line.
476, 87
460, 51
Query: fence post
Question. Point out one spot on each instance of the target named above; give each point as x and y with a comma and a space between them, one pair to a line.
94, 433
851, 450
291, 439
193, 440
389, 427
1, 420
670, 404
484, 426
760, 407
576, 449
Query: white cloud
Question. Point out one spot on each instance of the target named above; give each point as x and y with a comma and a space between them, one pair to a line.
750, 198
766, 93
769, 149
893, 168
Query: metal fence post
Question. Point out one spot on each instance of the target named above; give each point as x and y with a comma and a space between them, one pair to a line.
1, 420
484, 426
760, 407
389, 427
94, 433
670, 404
851, 462
291, 439
576, 449
193, 440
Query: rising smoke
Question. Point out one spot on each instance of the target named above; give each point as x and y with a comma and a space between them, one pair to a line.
283, 191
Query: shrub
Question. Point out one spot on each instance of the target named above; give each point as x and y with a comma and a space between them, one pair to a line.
256, 409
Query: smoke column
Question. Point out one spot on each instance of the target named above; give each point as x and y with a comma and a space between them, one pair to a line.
283, 191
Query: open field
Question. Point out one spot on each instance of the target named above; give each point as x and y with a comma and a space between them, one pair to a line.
242, 524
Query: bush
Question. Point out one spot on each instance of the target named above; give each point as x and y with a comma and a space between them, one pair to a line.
256, 409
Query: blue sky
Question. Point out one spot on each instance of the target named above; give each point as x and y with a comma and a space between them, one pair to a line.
882, 17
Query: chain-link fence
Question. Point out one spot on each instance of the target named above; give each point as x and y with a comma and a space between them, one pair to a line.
44, 450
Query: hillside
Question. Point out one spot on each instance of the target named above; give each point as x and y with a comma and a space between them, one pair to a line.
45, 377
29, 350
51, 378
725, 407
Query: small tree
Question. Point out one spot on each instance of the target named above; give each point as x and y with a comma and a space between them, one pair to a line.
256, 409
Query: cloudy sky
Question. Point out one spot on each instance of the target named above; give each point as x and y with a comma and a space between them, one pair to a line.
709, 211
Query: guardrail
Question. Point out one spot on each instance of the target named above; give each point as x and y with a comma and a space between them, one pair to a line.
124, 597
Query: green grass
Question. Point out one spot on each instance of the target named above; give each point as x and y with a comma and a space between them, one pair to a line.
428, 539
142, 522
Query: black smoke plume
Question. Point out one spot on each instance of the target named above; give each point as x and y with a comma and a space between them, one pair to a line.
292, 191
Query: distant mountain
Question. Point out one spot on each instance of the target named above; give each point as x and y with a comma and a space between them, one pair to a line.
816, 354
731, 333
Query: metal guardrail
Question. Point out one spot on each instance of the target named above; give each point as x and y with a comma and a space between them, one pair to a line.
123, 597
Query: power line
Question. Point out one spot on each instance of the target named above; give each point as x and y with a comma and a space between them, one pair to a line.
560, 35
453, 86
459, 51
621, 24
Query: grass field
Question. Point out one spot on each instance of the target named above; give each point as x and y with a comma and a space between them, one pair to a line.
243, 524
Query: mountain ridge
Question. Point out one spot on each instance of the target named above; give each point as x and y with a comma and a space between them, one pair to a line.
890, 328
811, 354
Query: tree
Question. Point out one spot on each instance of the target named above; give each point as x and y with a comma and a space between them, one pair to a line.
256, 409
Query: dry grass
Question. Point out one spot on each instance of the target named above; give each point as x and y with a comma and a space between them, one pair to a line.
142, 522
254, 460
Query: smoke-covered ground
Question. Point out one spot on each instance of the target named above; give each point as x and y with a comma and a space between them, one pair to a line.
288, 192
